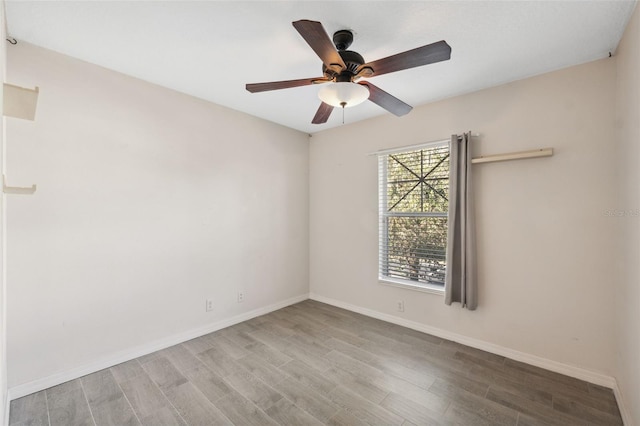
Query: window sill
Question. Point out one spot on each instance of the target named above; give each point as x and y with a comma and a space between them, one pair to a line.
425, 288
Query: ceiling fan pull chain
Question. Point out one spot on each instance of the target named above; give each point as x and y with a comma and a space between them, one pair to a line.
343, 105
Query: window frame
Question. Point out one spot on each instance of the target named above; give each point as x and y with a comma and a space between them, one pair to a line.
383, 238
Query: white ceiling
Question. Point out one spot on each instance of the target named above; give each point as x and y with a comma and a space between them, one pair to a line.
211, 49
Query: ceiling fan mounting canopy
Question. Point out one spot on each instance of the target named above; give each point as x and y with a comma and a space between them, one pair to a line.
340, 65
342, 39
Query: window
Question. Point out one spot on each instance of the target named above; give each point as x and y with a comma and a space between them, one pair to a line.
413, 203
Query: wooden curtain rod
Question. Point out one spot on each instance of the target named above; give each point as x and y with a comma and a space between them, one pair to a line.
542, 152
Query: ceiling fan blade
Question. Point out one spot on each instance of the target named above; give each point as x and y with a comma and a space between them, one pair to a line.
277, 85
429, 54
386, 101
323, 113
318, 39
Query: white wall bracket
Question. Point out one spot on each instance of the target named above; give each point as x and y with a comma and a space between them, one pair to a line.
16, 189
20, 102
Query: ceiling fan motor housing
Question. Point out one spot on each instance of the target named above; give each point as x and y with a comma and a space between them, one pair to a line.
353, 60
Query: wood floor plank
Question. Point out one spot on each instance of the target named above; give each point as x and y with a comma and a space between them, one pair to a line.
584, 412
421, 336
311, 314
531, 394
472, 409
149, 357
241, 411
532, 408
455, 385
468, 358
342, 335
107, 402
237, 335
209, 383
371, 413
419, 378
232, 348
601, 392
308, 376
268, 354
114, 412
282, 322
69, 409
271, 326
286, 413
219, 362
300, 323
599, 402
345, 349
127, 370
301, 354
100, 387
448, 347
363, 363
309, 335
165, 416
423, 345
345, 418
262, 369
314, 403
198, 345
358, 384
194, 407
310, 345
163, 373
408, 390
276, 342
537, 372
254, 389
144, 395
416, 413
181, 358
461, 415
64, 387
30, 409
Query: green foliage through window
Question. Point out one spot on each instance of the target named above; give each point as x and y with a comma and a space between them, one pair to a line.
414, 188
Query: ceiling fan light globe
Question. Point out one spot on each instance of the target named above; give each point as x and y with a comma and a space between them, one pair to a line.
343, 94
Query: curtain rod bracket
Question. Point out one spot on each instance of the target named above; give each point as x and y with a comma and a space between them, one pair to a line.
16, 189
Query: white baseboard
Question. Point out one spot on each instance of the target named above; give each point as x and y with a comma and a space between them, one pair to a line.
547, 364
123, 356
622, 406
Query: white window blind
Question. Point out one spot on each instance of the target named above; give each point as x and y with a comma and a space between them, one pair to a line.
413, 207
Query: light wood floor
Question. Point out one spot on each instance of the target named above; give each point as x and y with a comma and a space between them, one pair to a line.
314, 364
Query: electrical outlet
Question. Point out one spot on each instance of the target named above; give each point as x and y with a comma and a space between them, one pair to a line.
209, 305
400, 306
240, 297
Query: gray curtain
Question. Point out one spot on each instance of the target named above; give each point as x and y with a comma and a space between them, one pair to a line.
460, 280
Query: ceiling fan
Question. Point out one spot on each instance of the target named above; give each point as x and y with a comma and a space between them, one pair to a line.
343, 68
